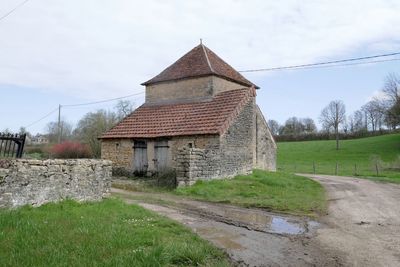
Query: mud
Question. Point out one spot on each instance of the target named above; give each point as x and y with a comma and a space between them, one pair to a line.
250, 237
362, 227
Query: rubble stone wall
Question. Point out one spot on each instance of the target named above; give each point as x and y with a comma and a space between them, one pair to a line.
35, 182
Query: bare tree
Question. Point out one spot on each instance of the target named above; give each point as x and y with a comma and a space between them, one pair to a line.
309, 125
53, 131
375, 111
333, 116
392, 87
92, 126
123, 108
273, 126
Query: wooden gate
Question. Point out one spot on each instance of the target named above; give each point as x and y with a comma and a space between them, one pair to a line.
140, 158
161, 155
12, 145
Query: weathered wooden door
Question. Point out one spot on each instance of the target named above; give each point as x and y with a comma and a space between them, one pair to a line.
161, 155
140, 158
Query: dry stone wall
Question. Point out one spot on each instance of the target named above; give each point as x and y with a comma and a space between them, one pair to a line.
35, 182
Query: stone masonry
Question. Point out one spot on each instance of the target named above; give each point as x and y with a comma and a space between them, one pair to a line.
35, 182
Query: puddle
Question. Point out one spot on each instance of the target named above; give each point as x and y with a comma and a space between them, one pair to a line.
271, 224
283, 226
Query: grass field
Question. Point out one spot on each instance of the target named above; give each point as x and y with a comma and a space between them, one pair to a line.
107, 233
357, 156
278, 191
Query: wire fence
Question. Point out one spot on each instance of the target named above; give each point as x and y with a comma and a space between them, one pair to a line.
374, 168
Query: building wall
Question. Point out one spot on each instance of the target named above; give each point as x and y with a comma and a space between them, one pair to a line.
183, 90
188, 90
265, 144
237, 144
221, 85
119, 151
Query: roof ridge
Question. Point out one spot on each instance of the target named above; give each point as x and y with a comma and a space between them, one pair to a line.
208, 61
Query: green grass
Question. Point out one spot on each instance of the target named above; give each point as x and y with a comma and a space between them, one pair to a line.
299, 157
107, 233
274, 191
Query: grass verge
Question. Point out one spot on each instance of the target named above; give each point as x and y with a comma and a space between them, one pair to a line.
107, 233
275, 191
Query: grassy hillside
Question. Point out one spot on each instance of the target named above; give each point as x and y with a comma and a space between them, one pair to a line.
358, 156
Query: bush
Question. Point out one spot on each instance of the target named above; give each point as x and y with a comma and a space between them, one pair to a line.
167, 178
70, 150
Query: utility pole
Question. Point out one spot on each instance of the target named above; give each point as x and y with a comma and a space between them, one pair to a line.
59, 123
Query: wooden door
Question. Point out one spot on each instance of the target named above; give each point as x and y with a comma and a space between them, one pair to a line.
140, 158
161, 155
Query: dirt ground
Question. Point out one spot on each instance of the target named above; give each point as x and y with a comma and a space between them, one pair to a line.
363, 220
362, 227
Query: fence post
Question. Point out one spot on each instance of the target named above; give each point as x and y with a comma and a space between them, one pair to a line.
337, 167
377, 169
355, 169
313, 164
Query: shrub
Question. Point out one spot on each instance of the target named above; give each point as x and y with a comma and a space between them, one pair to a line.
70, 150
167, 178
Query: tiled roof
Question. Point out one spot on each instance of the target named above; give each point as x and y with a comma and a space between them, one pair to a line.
208, 117
199, 62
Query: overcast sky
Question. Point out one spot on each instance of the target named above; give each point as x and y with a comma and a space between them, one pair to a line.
64, 52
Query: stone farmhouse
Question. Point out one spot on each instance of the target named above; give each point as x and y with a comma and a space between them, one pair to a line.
199, 118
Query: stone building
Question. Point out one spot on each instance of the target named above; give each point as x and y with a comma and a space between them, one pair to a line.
200, 118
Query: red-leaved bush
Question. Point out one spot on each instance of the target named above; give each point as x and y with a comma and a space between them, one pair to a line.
70, 150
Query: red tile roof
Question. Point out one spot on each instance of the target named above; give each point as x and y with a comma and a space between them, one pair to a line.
199, 62
209, 117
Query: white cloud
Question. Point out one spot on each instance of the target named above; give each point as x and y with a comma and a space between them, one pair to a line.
98, 48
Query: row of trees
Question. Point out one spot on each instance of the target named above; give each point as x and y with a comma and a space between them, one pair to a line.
380, 113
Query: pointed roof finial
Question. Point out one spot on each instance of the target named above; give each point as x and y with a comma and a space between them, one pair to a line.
201, 41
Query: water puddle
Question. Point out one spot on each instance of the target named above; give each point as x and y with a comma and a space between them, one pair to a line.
271, 223
283, 226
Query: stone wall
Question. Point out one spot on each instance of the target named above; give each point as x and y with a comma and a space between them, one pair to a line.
35, 182
119, 151
188, 90
266, 146
237, 144
194, 164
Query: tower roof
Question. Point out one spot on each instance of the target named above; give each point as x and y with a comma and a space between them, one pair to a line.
200, 62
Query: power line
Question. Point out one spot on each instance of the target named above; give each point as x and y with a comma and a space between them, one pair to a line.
42, 118
348, 64
81, 104
12, 10
309, 65
101, 101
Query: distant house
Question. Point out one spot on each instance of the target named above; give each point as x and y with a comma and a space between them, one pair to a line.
199, 118
39, 140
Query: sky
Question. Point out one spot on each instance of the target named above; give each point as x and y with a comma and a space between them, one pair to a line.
69, 52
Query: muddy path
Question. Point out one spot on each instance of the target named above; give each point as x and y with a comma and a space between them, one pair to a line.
251, 237
363, 220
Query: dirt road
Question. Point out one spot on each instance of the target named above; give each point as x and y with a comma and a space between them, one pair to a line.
251, 237
362, 227
363, 220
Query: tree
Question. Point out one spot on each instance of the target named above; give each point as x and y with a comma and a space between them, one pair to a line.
332, 116
123, 108
92, 126
309, 126
55, 134
273, 126
293, 126
375, 112
391, 89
